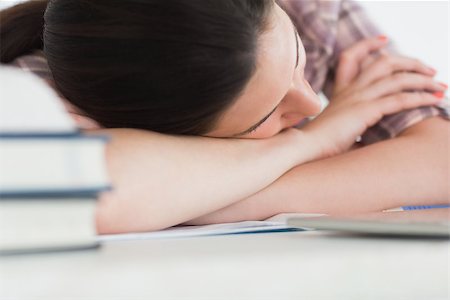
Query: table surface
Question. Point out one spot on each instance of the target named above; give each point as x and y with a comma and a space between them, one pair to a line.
290, 265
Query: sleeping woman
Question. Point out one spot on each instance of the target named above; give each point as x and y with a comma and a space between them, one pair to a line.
214, 112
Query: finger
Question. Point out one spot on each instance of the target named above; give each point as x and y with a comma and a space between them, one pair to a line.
401, 82
372, 58
350, 59
403, 101
386, 65
367, 61
375, 110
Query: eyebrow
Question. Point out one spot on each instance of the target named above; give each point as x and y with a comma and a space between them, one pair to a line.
266, 117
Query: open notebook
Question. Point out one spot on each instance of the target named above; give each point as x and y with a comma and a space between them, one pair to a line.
421, 223
275, 224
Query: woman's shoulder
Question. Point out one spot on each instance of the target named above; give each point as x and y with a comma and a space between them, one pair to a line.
36, 63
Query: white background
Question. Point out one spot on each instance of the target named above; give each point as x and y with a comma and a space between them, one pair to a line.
419, 28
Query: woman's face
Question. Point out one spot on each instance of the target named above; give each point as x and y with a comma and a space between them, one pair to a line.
277, 96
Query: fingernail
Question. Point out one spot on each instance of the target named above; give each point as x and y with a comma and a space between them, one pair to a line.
382, 38
438, 95
443, 85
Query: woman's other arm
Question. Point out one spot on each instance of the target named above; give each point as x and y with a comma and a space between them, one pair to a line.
411, 169
161, 180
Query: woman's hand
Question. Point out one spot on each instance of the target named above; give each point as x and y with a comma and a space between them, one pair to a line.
366, 90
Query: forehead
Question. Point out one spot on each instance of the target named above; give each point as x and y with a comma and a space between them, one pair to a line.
269, 84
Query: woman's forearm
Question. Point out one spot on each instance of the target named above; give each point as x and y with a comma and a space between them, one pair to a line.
411, 169
161, 180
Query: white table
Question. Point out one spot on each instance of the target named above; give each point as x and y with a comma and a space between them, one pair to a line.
293, 265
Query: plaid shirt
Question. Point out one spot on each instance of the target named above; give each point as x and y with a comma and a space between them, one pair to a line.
326, 29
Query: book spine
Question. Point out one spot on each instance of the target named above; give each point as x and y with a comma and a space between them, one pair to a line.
52, 136
66, 193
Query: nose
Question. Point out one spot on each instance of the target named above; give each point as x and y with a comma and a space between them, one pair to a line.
300, 102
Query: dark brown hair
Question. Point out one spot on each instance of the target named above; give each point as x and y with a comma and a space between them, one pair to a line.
171, 66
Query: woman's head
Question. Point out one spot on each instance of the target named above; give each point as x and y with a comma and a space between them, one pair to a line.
183, 67
277, 96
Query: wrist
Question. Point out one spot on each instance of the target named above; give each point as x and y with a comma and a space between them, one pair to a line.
301, 146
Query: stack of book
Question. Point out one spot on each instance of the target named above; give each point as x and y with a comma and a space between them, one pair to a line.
50, 173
